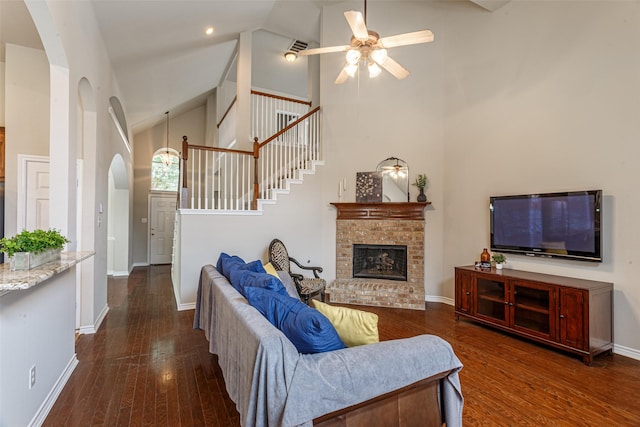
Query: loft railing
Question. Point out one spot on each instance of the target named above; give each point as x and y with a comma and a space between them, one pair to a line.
228, 179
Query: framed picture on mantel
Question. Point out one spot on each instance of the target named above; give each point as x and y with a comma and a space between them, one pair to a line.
368, 187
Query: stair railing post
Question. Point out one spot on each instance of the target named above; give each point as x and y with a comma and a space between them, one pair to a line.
184, 192
256, 185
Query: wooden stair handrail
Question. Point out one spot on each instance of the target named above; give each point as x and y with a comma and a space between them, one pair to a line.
297, 122
219, 149
284, 98
224, 116
255, 153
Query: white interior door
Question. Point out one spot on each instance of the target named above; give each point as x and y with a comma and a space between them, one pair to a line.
33, 197
161, 222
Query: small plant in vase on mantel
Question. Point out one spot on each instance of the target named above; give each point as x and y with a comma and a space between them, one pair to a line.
421, 182
499, 259
32, 248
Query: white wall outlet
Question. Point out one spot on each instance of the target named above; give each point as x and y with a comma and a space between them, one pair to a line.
32, 377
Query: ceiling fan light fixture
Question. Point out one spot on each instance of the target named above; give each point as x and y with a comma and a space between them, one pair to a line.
367, 47
374, 69
379, 55
351, 69
353, 56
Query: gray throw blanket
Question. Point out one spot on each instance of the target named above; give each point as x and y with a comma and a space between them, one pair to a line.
262, 368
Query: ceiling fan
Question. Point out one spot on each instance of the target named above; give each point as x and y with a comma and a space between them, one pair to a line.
369, 48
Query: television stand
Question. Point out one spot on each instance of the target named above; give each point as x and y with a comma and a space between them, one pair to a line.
567, 313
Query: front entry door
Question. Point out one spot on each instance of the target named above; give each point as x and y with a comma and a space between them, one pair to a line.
161, 223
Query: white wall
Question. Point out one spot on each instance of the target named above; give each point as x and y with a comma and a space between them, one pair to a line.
118, 229
544, 96
37, 329
294, 220
367, 120
269, 69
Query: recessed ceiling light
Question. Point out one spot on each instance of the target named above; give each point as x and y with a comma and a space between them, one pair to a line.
208, 31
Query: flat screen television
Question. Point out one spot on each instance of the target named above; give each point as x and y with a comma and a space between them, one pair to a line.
563, 225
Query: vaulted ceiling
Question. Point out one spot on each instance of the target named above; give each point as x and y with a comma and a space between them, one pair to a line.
162, 43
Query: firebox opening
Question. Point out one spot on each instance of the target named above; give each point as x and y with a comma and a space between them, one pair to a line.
380, 261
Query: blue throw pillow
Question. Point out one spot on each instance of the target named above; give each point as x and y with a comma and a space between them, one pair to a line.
308, 329
219, 264
234, 270
226, 262
261, 280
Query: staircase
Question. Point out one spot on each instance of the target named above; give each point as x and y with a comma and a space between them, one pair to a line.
224, 179
220, 187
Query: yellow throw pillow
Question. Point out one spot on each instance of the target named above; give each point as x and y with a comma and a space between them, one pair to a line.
355, 327
269, 268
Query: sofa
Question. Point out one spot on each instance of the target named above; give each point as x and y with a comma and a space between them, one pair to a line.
273, 384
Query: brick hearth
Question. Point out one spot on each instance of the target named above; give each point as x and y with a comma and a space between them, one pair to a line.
379, 224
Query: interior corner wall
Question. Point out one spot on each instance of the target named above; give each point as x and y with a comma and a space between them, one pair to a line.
365, 121
271, 71
544, 97
210, 122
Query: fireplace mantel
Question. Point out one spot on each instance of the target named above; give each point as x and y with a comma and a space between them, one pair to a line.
381, 210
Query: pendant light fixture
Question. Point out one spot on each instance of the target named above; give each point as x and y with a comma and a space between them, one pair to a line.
167, 158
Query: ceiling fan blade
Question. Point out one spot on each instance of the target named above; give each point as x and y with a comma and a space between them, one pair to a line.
416, 37
357, 24
342, 77
397, 70
328, 49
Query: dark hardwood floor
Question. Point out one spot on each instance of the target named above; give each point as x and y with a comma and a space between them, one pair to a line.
146, 366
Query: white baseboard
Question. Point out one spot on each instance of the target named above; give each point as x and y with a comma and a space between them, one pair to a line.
43, 410
92, 329
101, 316
444, 300
120, 273
188, 306
626, 351
139, 264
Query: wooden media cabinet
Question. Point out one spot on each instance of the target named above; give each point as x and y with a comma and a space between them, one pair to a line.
567, 313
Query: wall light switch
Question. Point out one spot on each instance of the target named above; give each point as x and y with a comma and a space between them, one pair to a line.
143, 220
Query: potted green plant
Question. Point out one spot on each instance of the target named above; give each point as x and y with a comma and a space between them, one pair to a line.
499, 259
421, 182
30, 249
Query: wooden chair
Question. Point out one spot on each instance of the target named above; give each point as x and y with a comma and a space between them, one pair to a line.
307, 287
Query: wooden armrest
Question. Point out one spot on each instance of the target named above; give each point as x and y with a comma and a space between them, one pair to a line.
316, 270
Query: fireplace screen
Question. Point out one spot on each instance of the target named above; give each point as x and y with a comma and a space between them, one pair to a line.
380, 261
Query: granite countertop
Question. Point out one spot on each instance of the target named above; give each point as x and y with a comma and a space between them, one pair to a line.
25, 279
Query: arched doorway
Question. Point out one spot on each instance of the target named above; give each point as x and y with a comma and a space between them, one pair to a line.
118, 218
85, 205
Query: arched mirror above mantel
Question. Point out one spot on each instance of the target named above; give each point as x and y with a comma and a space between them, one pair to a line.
395, 179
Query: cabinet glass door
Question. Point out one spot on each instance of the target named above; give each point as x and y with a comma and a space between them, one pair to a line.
491, 300
532, 308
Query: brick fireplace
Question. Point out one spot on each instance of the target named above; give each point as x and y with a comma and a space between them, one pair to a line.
379, 225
